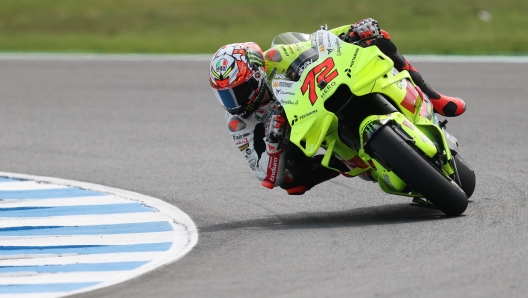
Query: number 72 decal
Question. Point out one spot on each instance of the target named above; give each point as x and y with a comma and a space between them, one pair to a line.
319, 73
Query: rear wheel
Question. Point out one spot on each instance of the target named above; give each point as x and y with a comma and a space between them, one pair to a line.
466, 174
417, 172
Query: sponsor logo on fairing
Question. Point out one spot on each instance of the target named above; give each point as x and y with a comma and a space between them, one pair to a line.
338, 46
304, 66
328, 87
295, 118
272, 74
283, 48
354, 58
370, 129
329, 45
313, 39
282, 84
289, 102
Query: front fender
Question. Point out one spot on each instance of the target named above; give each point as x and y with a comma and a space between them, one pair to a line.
404, 128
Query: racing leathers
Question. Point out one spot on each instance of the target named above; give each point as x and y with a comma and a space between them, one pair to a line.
248, 135
290, 168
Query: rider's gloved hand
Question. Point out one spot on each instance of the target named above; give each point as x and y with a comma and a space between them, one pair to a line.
363, 29
274, 133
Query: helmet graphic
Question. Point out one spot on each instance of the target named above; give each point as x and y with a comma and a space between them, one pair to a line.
238, 77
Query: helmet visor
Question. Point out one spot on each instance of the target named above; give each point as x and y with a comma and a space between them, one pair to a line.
236, 99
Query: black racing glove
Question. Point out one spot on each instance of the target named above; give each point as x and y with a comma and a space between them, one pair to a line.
364, 29
274, 133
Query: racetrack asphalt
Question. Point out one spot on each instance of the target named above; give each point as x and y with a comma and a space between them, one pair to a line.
155, 128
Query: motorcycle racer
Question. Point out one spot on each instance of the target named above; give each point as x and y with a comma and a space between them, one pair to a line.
239, 77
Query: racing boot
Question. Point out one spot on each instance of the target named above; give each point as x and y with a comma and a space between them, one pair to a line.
444, 105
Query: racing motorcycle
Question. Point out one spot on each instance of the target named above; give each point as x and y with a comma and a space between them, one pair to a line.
348, 101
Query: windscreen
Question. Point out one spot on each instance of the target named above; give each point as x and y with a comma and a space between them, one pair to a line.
290, 38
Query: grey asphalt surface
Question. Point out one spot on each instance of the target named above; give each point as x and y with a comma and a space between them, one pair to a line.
154, 127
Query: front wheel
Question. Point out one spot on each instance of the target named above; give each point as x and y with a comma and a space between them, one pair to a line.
417, 172
466, 175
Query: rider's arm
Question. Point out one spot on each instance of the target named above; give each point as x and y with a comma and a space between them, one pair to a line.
349, 29
248, 135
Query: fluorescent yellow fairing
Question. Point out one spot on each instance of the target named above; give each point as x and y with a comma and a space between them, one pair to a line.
302, 83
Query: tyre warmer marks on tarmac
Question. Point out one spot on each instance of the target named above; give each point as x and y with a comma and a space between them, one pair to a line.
61, 237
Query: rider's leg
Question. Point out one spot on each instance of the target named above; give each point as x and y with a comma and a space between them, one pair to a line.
444, 105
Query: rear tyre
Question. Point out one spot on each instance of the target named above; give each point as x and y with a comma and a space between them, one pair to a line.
466, 174
417, 172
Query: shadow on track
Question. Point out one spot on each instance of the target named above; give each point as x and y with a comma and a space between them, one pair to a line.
377, 215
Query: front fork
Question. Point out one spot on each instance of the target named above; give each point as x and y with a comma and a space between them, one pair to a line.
427, 143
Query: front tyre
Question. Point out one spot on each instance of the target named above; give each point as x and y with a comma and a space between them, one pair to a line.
417, 172
466, 174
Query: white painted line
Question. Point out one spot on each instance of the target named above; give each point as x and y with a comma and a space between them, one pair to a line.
105, 57
28, 185
110, 239
34, 295
78, 201
467, 59
39, 260
103, 219
207, 57
25, 278
183, 237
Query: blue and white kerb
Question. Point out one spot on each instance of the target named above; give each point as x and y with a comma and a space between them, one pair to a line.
59, 237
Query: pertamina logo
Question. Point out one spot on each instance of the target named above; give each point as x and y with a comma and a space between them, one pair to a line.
302, 116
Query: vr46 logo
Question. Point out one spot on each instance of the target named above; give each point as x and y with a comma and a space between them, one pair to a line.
316, 76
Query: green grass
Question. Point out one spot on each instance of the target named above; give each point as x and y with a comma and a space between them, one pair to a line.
202, 26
